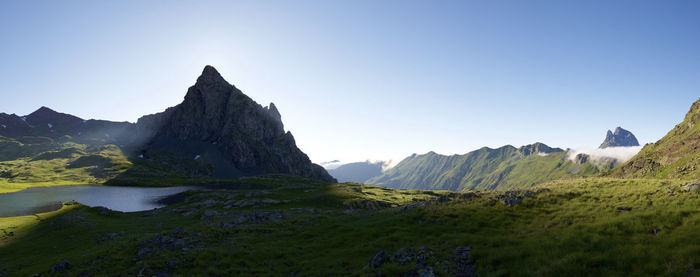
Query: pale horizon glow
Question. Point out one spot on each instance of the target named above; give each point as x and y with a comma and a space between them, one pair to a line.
369, 80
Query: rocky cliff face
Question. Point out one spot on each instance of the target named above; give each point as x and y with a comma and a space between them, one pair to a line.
220, 126
216, 131
620, 137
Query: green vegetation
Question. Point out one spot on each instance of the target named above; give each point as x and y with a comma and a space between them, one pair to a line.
592, 226
40, 161
675, 155
484, 169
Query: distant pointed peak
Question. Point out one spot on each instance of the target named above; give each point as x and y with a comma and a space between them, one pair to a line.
45, 109
210, 70
620, 137
210, 76
619, 130
272, 109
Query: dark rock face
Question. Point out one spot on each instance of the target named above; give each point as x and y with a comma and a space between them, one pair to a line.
620, 137
46, 122
218, 125
12, 125
581, 159
217, 130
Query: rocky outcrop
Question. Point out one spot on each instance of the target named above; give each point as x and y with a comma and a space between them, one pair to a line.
220, 126
423, 261
620, 137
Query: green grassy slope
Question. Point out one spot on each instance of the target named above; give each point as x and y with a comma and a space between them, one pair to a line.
486, 168
676, 155
41, 161
582, 227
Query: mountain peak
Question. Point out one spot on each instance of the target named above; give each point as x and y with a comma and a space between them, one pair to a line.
44, 110
536, 148
620, 137
210, 76
234, 135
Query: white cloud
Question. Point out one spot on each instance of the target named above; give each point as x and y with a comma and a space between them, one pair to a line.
331, 164
597, 156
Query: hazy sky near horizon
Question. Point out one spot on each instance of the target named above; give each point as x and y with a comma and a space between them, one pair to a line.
358, 80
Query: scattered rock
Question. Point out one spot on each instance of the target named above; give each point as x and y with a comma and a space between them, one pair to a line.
179, 239
109, 237
62, 266
377, 260
209, 214
254, 194
368, 204
179, 230
692, 187
423, 261
513, 197
254, 217
143, 252
440, 199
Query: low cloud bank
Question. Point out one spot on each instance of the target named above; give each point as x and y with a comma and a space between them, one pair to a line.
331, 164
597, 156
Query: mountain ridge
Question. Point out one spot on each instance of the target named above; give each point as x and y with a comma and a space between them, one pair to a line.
485, 168
676, 155
215, 131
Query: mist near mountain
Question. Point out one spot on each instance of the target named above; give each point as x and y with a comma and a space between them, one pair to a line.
600, 156
483, 169
331, 164
676, 155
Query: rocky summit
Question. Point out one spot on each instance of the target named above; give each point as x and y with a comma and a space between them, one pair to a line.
620, 137
220, 127
216, 132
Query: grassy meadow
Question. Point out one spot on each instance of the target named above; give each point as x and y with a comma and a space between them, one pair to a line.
294, 226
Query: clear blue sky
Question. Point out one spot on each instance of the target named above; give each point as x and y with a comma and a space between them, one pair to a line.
369, 79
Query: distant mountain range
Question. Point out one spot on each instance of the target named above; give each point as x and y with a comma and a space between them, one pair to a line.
501, 168
216, 132
358, 172
486, 168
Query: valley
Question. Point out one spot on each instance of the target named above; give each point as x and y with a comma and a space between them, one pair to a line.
607, 226
217, 187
